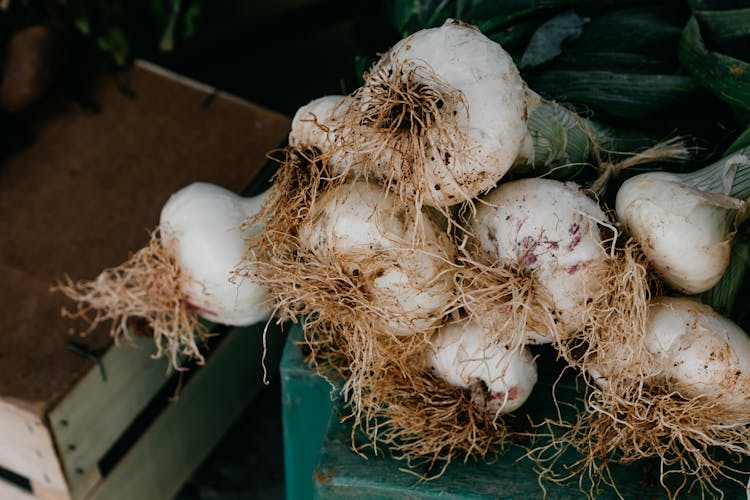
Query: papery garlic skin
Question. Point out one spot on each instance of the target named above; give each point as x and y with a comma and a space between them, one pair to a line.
494, 117
201, 226
402, 259
549, 228
701, 352
315, 124
463, 354
686, 234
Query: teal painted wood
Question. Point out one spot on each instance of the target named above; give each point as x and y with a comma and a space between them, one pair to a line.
343, 475
306, 408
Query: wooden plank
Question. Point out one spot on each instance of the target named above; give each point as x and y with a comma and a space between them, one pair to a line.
44, 492
343, 475
97, 411
9, 491
106, 176
181, 437
306, 408
26, 446
119, 165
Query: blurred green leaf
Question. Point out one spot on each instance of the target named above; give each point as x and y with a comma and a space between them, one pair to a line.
741, 142
167, 42
623, 95
362, 64
547, 42
190, 19
723, 26
513, 36
723, 296
115, 42
492, 14
82, 24
161, 10
727, 77
618, 62
645, 29
717, 4
408, 16
116, 26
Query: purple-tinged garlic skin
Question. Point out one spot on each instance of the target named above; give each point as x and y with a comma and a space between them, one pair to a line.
463, 354
549, 228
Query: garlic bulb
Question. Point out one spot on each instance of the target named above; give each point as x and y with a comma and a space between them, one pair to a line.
685, 233
550, 229
370, 236
200, 224
701, 352
464, 355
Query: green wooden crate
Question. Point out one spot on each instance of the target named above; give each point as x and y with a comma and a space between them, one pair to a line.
307, 402
321, 464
